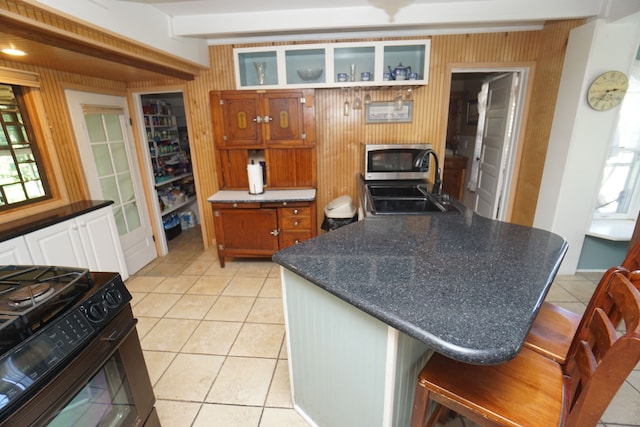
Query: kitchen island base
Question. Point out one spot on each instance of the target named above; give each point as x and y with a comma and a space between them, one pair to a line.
347, 368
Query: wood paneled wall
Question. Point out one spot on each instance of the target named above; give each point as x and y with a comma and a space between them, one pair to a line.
338, 136
58, 132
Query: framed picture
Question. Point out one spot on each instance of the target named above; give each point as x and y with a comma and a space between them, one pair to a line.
385, 112
472, 112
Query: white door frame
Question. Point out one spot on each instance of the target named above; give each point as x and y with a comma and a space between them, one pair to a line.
146, 157
511, 168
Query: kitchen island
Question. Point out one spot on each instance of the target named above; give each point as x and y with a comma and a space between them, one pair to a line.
365, 306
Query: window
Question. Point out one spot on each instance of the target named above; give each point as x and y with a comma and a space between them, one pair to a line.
22, 179
618, 196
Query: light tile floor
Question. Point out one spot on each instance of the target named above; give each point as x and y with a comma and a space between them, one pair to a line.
213, 340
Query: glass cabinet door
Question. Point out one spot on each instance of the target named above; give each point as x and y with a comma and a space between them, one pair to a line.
305, 66
410, 57
257, 68
359, 59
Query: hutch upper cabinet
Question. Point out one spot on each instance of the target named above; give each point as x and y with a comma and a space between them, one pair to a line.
273, 128
319, 65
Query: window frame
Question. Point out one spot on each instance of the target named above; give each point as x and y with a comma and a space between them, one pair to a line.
20, 94
631, 184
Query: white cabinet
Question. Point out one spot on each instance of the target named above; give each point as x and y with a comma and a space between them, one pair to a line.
15, 252
281, 64
87, 241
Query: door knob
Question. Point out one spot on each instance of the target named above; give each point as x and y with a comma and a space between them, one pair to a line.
275, 232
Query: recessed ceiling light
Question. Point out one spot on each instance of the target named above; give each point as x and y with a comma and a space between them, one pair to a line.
14, 52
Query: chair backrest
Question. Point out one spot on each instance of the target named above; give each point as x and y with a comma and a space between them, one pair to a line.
599, 299
601, 360
632, 259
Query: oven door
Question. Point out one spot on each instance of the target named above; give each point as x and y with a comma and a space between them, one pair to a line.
106, 384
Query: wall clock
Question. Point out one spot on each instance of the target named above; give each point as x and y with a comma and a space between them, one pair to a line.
607, 90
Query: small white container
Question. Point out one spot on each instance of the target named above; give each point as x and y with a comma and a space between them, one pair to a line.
341, 207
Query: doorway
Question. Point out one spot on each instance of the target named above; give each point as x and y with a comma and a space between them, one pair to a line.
482, 137
166, 152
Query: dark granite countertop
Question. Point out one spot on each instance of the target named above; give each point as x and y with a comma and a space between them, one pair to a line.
466, 286
31, 223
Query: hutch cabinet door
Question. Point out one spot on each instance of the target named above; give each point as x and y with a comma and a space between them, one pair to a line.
291, 167
284, 117
233, 169
242, 119
245, 232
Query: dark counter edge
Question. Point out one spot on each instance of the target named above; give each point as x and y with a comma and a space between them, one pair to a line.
31, 223
491, 356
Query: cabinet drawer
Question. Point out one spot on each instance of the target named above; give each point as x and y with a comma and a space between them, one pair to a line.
295, 212
295, 223
216, 206
290, 238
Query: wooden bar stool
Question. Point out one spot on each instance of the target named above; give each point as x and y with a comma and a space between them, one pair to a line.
554, 327
531, 389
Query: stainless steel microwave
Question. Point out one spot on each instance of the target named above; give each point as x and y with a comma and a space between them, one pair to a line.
396, 161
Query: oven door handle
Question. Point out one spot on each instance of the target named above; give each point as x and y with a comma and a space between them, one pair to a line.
116, 333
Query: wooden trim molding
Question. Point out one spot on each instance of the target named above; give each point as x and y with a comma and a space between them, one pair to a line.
41, 25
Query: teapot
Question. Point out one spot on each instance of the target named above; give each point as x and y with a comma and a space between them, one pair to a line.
400, 72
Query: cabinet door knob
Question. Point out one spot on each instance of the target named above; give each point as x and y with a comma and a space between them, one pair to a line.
267, 119
295, 211
258, 119
296, 242
296, 223
274, 232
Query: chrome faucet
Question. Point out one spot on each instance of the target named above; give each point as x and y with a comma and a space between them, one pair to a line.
420, 162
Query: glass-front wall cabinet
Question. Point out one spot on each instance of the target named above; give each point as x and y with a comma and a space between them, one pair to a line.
389, 63
305, 66
256, 68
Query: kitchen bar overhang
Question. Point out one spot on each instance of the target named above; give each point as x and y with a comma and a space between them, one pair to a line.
467, 286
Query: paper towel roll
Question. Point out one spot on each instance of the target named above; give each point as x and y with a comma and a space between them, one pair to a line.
254, 172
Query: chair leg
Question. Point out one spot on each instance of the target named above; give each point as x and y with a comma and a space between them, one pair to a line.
440, 414
420, 402
421, 406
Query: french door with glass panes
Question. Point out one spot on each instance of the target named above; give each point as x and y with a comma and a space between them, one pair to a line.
109, 160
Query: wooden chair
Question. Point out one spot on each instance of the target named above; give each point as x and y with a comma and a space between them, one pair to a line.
632, 259
531, 389
554, 327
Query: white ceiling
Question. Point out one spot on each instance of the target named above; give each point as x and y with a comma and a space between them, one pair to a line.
232, 21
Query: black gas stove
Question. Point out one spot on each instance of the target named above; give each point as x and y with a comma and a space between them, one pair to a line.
47, 314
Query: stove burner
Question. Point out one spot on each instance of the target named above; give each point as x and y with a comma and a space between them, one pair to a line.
30, 294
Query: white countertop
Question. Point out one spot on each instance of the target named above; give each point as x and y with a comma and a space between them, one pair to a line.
239, 196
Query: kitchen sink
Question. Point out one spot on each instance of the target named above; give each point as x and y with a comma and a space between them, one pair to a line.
426, 205
397, 192
408, 199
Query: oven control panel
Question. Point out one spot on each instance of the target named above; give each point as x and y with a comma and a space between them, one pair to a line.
34, 360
